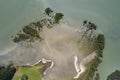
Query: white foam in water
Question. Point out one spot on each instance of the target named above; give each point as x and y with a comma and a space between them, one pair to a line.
80, 67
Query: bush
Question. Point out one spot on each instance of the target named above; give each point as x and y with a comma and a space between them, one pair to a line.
24, 77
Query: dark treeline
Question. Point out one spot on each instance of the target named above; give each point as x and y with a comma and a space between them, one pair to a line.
7, 72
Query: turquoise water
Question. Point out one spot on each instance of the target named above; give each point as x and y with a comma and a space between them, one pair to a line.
105, 13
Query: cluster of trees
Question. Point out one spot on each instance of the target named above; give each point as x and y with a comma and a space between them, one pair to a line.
32, 31
114, 76
7, 72
90, 27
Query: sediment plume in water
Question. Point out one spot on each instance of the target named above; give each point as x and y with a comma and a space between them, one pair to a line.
60, 44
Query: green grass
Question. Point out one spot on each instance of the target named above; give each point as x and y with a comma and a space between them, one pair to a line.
33, 73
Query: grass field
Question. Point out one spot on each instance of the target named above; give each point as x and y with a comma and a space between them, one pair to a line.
33, 73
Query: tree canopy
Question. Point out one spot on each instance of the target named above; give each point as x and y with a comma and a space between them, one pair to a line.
31, 32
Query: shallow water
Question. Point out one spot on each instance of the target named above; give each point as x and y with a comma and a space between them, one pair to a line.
105, 13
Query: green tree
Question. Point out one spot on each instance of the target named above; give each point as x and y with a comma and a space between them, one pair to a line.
58, 17
48, 11
24, 77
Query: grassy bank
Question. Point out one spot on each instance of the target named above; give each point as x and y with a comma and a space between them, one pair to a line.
33, 73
